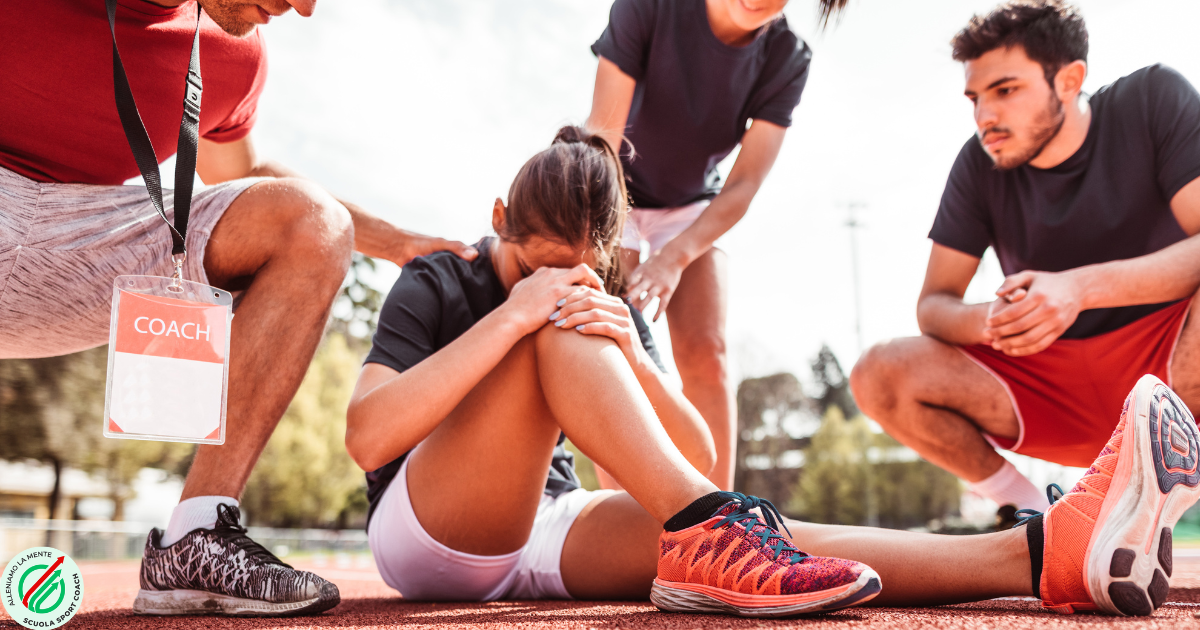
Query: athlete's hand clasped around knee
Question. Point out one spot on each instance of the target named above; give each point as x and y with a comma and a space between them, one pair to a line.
535, 298
593, 312
1035, 308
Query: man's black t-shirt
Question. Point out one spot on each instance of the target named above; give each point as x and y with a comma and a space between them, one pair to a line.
438, 298
1109, 201
694, 93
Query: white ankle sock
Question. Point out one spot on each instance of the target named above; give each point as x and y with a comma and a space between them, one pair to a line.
194, 513
1008, 485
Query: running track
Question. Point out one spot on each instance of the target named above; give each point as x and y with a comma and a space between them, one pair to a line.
368, 603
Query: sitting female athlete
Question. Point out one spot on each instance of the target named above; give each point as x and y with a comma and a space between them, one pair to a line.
478, 369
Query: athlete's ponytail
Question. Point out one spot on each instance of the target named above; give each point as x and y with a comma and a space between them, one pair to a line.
572, 193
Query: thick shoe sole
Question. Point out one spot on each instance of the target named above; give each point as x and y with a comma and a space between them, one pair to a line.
189, 602
696, 598
1129, 556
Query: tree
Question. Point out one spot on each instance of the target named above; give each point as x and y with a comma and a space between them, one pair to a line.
764, 406
356, 311
304, 477
52, 411
837, 472
854, 476
833, 388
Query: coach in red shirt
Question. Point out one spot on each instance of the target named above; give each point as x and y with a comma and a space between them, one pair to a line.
68, 227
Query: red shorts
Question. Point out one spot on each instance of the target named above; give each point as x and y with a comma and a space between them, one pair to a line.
1069, 397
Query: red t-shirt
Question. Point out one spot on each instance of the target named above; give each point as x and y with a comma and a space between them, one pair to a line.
58, 117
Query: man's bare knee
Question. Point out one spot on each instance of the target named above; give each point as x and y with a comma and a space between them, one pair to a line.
319, 235
883, 376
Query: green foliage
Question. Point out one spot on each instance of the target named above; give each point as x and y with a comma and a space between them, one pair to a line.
853, 476
834, 486
304, 477
356, 310
52, 411
52, 407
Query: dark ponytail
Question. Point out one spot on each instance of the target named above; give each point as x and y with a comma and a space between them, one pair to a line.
572, 193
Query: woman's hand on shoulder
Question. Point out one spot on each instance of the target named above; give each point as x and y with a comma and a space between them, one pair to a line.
593, 312
532, 300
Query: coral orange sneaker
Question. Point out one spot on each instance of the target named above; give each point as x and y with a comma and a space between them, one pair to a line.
735, 563
1108, 541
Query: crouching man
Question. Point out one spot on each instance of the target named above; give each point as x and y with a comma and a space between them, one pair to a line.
1092, 205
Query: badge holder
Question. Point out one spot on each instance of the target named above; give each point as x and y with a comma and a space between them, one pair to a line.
168, 360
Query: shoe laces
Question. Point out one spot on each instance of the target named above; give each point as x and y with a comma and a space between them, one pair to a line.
769, 536
1054, 492
229, 527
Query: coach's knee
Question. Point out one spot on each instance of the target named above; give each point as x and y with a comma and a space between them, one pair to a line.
316, 231
876, 380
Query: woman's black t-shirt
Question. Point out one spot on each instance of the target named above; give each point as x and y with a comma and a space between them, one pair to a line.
695, 93
1111, 200
437, 299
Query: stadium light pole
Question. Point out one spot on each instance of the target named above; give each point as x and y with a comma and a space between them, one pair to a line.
853, 224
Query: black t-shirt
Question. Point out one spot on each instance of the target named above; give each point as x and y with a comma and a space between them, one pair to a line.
1109, 201
437, 299
694, 93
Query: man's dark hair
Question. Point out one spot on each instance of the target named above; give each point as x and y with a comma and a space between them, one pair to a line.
1052, 33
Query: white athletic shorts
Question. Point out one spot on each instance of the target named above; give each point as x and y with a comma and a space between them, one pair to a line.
423, 569
61, 246
658, 226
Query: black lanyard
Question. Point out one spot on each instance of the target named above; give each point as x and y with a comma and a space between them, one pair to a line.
139, 140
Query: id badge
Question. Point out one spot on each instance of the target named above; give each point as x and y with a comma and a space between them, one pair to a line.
168, 361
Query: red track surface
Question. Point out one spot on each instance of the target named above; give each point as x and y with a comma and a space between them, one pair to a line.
368, 603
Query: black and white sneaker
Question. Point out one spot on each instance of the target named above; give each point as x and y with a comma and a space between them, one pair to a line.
221, 571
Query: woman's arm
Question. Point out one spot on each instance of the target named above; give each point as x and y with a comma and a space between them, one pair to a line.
391, 412
597, 313
611, 100
659, 275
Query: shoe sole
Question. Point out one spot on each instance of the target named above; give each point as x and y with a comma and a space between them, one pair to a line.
1128, 559
191, 602
697, 598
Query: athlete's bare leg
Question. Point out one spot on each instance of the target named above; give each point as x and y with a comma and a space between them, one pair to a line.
476, 481
611, 553
287, 243
933, 399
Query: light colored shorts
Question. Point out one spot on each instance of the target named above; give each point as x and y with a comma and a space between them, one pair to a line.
61, 246
423, 569
658, 226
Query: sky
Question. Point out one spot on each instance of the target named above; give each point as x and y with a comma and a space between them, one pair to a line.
422, 111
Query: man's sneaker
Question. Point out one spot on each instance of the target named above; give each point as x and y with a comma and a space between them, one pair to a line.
1108, 540
735, 563
221, 571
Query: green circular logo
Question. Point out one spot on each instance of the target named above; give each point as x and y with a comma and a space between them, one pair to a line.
42, 588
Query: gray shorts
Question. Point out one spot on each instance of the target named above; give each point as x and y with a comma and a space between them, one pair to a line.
61, 246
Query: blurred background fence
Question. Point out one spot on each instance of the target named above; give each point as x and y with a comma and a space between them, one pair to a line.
124, 540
